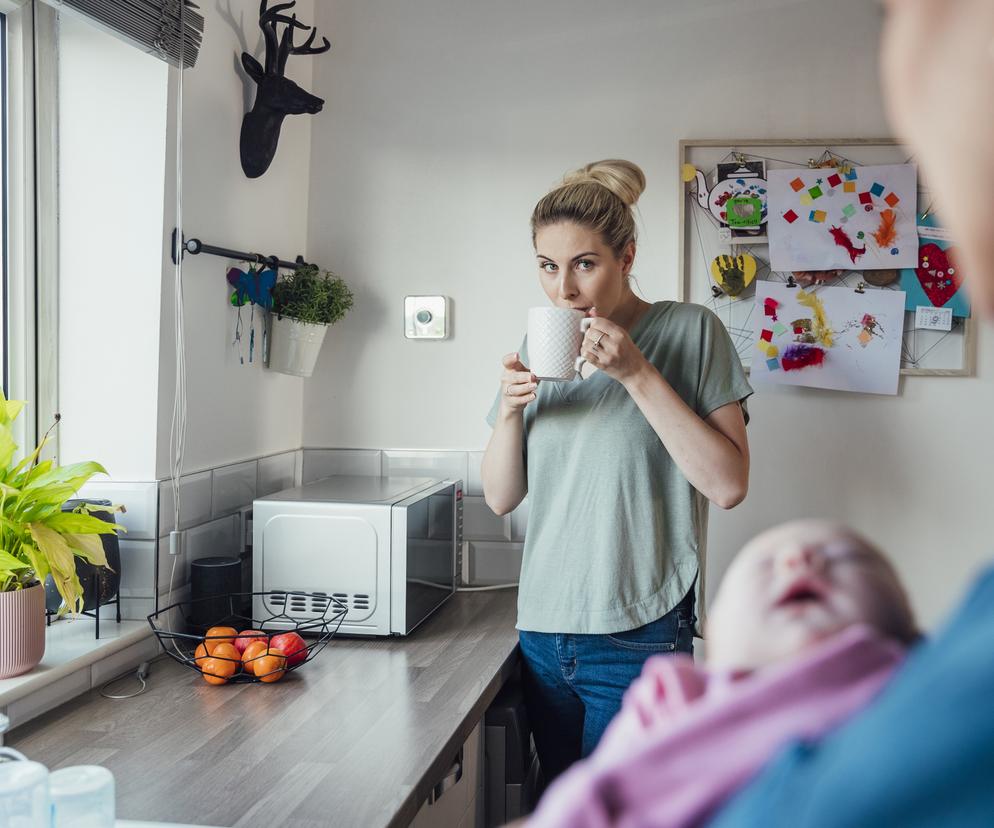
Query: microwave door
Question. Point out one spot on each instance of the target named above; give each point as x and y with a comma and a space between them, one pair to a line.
426, 526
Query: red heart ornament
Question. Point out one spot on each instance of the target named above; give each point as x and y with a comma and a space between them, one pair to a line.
937, 273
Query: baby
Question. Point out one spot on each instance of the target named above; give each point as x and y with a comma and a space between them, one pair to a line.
808, 625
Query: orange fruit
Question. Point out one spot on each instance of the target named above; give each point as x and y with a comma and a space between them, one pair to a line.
201, 655
227, 652
219, 635
217, 670
251, 654
271, 666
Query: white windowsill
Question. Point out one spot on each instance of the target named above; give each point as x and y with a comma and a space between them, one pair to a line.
71, 652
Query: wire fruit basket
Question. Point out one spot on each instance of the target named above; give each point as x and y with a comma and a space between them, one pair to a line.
196, 650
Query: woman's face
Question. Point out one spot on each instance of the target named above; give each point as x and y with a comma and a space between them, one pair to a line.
578, 270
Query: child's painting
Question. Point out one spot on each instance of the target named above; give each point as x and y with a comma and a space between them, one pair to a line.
854, 218
832, 338
936, 280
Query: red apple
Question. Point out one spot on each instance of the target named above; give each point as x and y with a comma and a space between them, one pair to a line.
292, 645
246, 637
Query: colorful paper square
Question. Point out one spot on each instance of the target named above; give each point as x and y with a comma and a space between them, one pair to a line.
834, 180
849, 187
865, 198
790, 216
877, 189
773, 364
779, 329
766, 335
851, 174
797, 185
849, 210
798, 329
806, 199
815, 192
772, 351
817, 215
892, 199
864, 338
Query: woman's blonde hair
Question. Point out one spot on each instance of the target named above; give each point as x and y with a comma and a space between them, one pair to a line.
599, 196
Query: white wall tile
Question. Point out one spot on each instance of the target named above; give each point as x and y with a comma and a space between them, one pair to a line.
519, 521
276, 473
139, 499
320, 463
444, 464
474, 483
165, 565
491, 562
234, 487
195, 502
480, 523
217, 538
137, 569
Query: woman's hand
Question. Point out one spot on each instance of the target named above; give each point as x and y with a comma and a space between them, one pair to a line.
517, 385
610, 348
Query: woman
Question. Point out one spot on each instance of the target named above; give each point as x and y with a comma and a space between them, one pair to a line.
619, 467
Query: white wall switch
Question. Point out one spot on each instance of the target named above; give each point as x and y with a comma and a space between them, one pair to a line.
426, 317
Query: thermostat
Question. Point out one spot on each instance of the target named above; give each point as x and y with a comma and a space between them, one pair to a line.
426, 317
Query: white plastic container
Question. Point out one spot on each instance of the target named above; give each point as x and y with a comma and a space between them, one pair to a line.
82, 797
24, 797
294, 346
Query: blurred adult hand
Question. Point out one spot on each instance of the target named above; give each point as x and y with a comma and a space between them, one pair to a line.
937, 68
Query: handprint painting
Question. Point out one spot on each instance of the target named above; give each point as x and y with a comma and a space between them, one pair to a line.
855, 218
733, 274
831, 338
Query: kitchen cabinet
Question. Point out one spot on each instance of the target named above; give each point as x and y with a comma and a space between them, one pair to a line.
456, 800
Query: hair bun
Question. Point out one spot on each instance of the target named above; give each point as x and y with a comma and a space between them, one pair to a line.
623, 178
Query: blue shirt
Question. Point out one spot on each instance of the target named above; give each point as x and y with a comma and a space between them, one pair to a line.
922, 754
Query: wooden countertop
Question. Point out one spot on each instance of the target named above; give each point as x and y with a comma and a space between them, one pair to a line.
358, 736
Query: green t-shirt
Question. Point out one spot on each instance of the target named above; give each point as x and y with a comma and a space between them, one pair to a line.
616, 534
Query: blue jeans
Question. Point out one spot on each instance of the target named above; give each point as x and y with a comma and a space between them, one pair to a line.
573, 684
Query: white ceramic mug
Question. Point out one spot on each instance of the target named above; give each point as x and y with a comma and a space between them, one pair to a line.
554, 339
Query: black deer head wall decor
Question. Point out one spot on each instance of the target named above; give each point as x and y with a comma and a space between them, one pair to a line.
276, 95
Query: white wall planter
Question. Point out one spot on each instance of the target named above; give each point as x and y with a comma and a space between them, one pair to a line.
22, 630
294, 346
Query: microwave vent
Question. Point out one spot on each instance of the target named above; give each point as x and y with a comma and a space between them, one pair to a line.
316, 603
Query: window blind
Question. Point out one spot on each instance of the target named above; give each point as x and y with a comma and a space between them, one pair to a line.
151, 25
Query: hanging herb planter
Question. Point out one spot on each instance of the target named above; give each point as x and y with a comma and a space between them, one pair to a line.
305, 303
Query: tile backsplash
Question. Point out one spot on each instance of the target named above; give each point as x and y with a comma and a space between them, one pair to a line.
214, 505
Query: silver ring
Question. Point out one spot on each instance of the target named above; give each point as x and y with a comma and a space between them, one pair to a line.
508, 390
597, 342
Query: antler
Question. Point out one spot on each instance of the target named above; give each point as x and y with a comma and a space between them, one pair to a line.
268, 18
288, 48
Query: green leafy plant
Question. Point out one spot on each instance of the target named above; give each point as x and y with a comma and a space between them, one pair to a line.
310, 295
37, 538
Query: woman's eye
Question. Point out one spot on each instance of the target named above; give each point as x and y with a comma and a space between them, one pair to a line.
585, 264
549, 267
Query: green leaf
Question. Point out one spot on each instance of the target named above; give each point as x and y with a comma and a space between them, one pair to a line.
7, 446
8, 563
89, 548
66, 522
76, 474
61, 561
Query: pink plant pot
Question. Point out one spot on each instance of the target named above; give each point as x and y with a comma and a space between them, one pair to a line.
22, 630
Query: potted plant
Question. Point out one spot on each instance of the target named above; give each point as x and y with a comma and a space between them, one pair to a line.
305, 303
38, 539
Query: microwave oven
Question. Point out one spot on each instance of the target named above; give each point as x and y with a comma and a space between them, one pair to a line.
385, 549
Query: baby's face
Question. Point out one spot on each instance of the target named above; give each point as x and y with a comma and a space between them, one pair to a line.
795, 585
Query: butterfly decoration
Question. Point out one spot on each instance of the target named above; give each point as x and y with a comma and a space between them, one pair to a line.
252, 287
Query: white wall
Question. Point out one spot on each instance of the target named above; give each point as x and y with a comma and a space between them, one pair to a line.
235, 411
112, 122
447, 120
